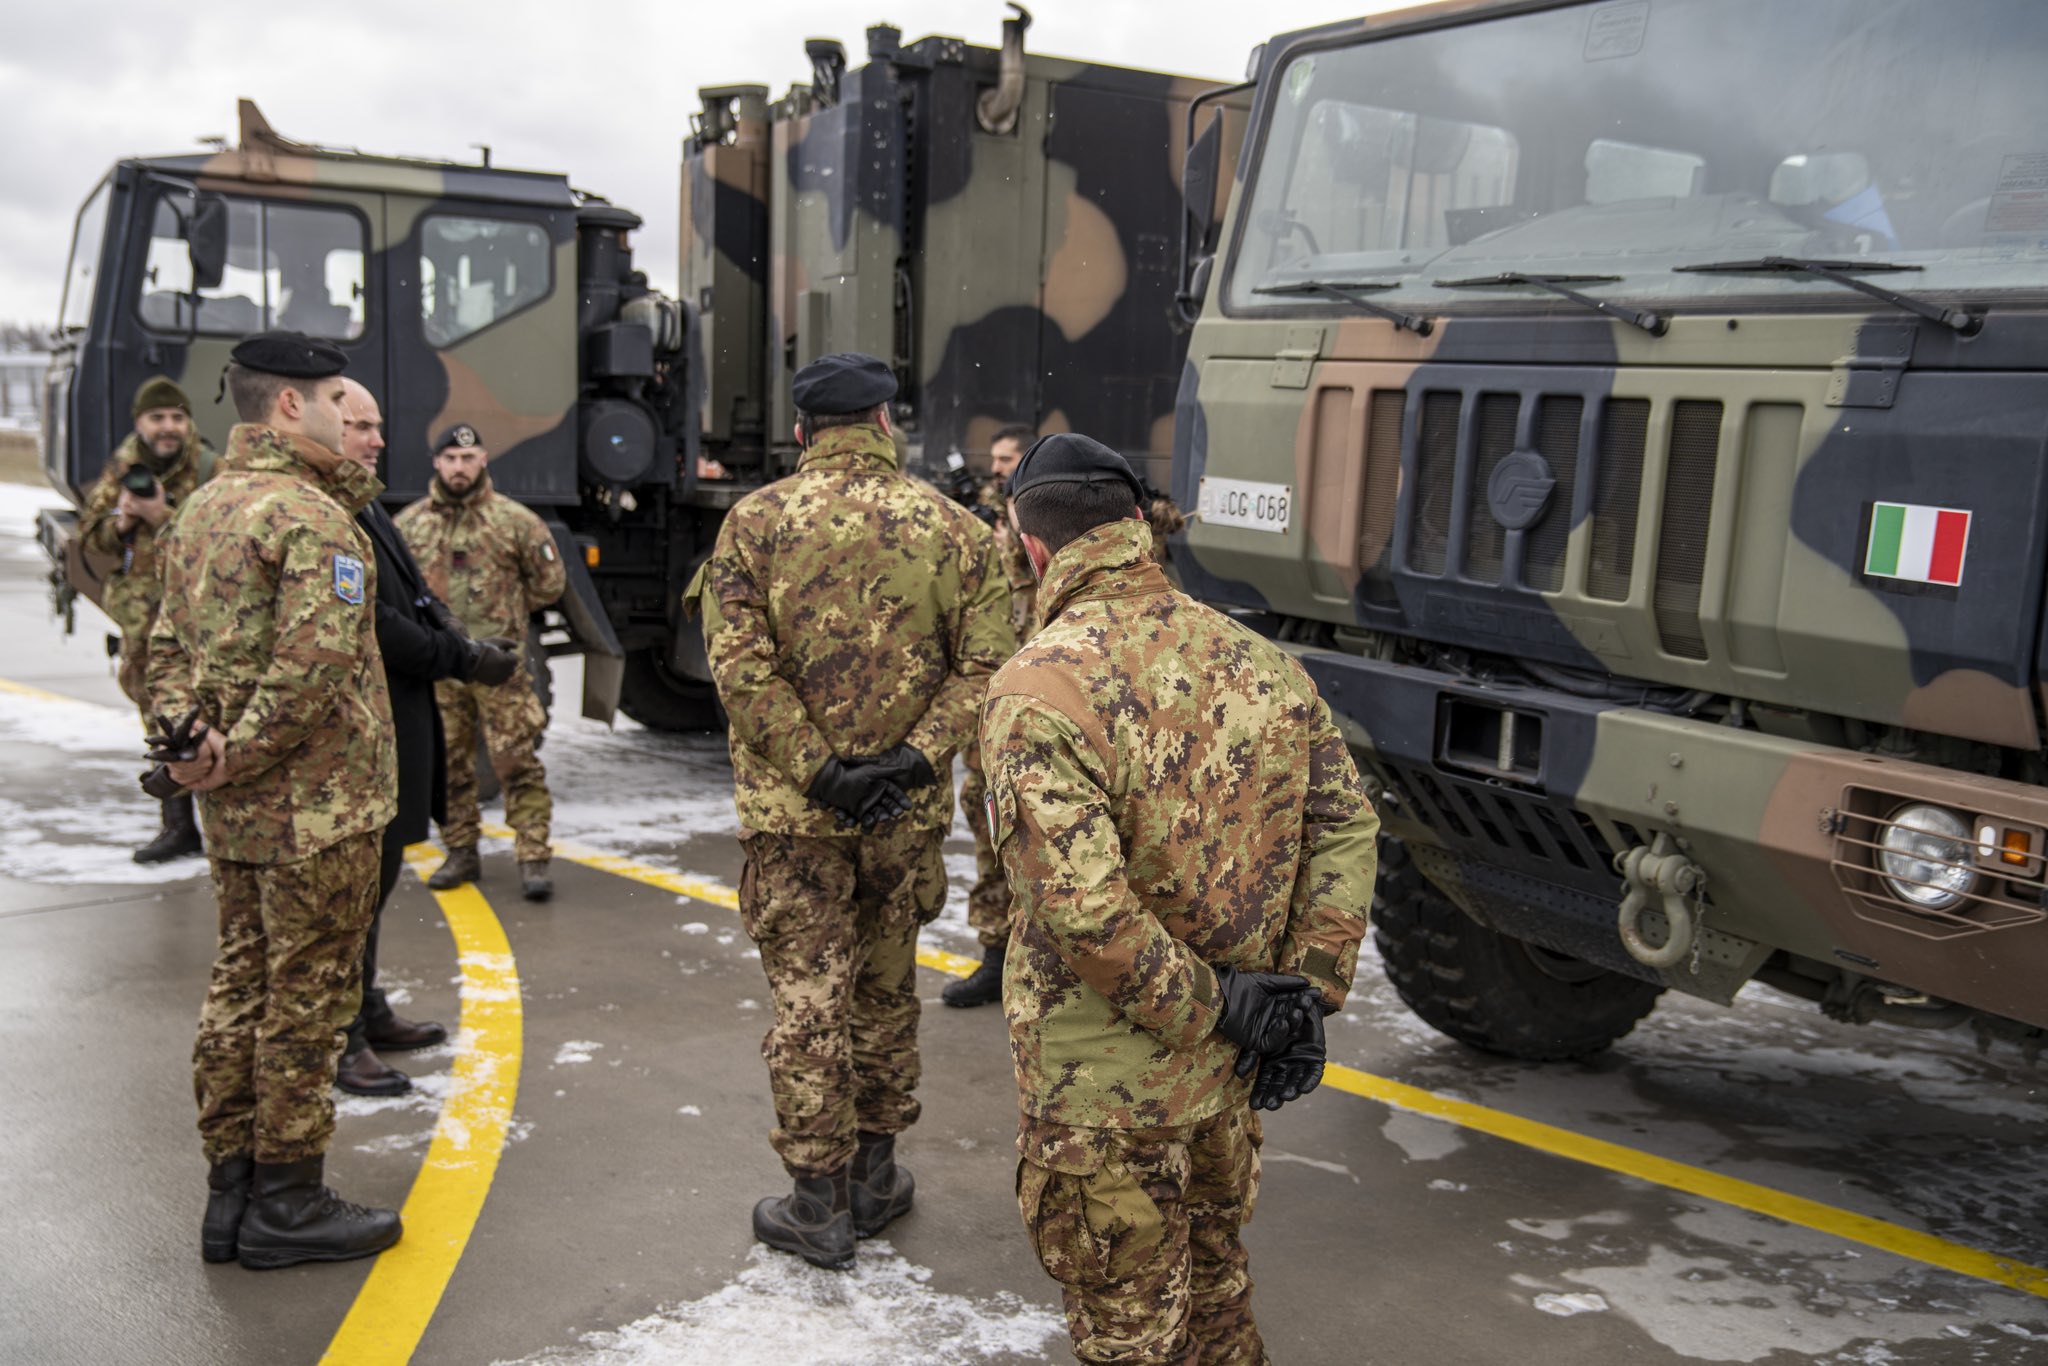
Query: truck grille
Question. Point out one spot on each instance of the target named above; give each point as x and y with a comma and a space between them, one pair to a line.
1461, 436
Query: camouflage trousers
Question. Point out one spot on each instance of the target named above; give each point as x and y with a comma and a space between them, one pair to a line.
837, 920
511, 719
1140, 1228
988, 904
286, 981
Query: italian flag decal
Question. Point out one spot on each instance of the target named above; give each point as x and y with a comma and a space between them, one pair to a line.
1916, 542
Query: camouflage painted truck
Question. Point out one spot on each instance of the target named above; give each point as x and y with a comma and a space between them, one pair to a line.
1000, 225
1635, 414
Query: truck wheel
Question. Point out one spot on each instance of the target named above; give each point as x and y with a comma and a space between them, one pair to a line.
1487, 989
661, 700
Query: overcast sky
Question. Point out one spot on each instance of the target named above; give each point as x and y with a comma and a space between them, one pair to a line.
601, 91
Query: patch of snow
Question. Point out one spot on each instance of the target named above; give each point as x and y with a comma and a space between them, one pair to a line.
1564, 1306
1422, 1138
778, 1310
695, 926
688, 1110
576, 1050
1334, 1168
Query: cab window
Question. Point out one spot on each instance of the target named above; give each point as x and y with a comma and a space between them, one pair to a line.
290, 266
477, 271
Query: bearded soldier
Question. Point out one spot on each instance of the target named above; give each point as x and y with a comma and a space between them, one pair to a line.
1192, 857
988, 904
268, 631
853, 616
494, 562
146, 480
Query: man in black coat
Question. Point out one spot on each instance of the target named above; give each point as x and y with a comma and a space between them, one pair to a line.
420, 641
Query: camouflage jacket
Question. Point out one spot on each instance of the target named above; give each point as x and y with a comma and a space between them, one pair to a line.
848, 609
1015, 564
269, 628
490, 558
1167, 792
132, 589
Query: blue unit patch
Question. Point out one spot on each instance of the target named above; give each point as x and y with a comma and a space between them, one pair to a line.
348, 579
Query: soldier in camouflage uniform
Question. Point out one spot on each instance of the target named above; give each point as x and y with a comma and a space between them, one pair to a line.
495, 563
1181, 824
988, 904
853, 616
122, 526
267, 629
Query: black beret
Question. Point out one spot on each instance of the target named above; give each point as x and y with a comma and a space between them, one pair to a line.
844, 382
291, 354
461, 434
1071, 458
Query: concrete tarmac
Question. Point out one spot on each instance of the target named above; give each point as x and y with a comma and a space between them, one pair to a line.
615, 1228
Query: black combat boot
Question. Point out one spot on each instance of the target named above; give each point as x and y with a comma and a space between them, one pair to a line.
227, 1195
462, 865
983, 986
534, 882
877, 1189
292, 1218
813, 1221
179, 837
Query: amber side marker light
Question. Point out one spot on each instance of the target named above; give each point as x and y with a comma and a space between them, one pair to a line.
2016, 848
590, 556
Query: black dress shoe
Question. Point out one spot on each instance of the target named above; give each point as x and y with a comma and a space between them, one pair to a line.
396, 1034
363, 1073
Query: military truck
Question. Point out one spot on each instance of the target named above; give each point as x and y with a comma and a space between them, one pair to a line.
1634, 413
1000, 225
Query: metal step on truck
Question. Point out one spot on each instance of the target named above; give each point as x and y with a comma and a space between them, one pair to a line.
1002, 226
1634, 412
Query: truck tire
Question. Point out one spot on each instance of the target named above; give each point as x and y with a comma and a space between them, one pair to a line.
661, 700
1489, 990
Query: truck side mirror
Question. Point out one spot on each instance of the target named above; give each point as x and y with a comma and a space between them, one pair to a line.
1199, 173
206, 238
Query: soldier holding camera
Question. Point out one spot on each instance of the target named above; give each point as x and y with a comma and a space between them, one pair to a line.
148, 477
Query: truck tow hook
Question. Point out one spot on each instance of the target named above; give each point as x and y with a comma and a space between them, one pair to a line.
1662, 877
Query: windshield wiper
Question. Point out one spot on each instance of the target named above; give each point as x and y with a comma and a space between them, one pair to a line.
1653, 323
1960, 320
1353, 292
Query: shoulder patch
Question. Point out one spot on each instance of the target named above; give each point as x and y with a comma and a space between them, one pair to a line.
547, 550
348, 579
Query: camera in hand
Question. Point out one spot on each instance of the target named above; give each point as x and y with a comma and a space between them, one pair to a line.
139, 482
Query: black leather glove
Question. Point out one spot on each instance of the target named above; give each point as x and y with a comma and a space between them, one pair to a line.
861, 792
905, 765
491, 662
1295, 1070
1261, 1012
171, 744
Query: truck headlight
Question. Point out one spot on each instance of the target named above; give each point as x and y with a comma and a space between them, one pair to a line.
1926, 857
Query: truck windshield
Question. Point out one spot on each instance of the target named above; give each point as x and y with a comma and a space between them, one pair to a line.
79, 278
1631, 138
294, 266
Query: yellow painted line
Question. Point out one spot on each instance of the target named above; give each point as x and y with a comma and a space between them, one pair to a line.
8, 685
1528, 1133
1727, 1190
393, 1308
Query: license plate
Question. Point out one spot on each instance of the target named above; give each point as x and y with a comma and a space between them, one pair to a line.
1245, 503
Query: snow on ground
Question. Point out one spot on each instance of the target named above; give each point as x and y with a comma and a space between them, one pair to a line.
90, 831
780, 1310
